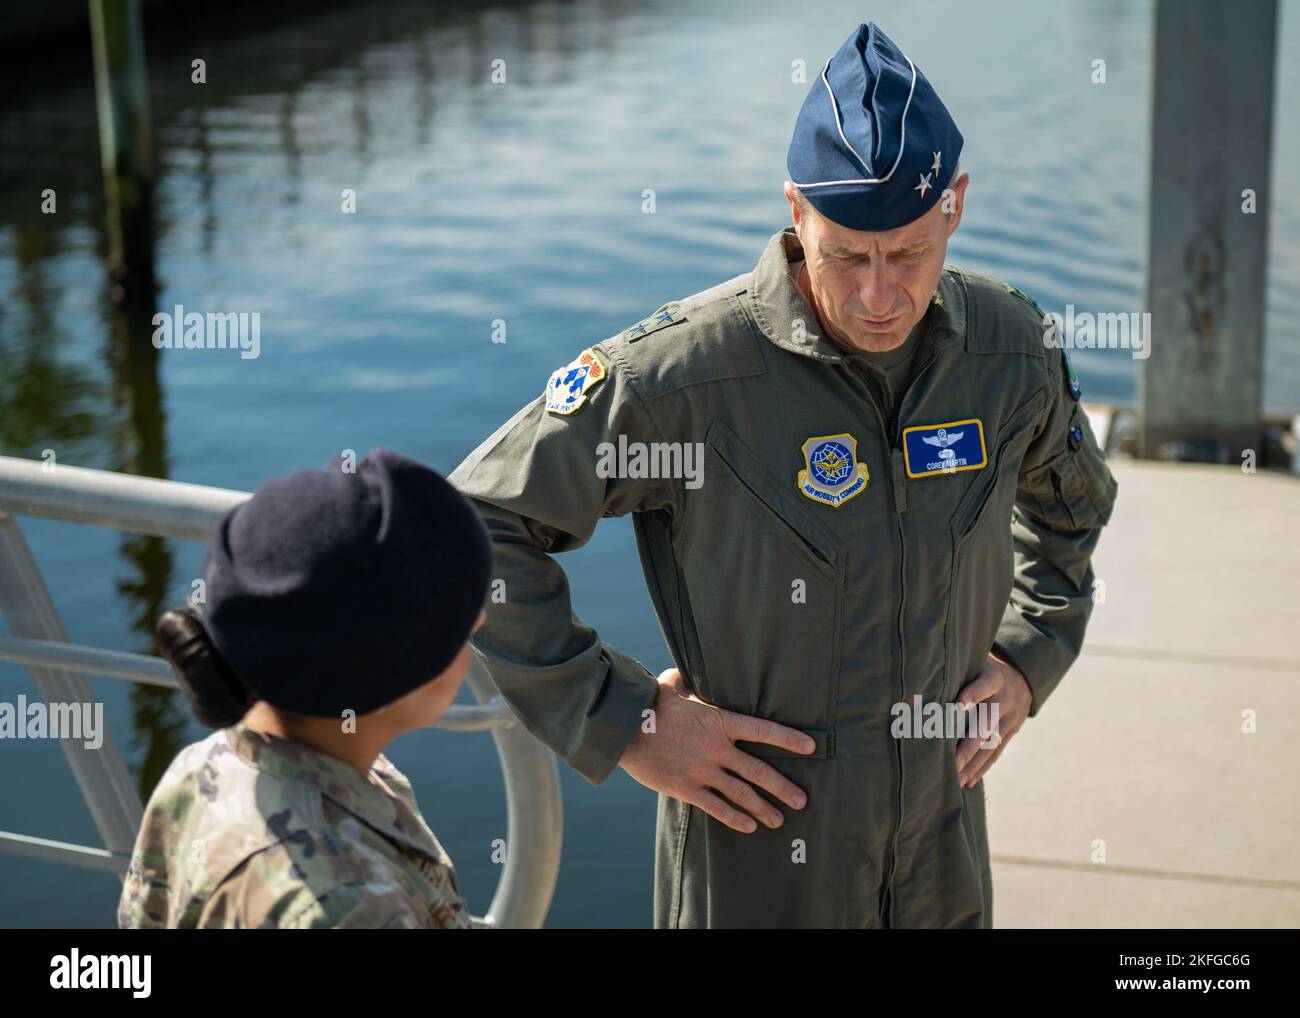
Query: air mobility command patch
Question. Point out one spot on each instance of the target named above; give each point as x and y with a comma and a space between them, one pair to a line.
833, 474
944, 448
669, 314
567, 390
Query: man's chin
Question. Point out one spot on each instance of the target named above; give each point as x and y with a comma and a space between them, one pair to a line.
878, 342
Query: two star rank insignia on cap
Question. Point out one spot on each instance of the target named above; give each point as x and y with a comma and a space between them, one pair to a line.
669, 314
925, 184
567, 389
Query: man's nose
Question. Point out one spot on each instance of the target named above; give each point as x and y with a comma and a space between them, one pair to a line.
876, 290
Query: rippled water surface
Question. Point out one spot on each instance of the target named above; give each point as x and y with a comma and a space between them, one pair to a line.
476, 202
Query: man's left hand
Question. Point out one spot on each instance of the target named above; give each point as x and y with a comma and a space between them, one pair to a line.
1002, 683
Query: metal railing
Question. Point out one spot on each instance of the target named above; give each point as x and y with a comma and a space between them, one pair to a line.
58, 668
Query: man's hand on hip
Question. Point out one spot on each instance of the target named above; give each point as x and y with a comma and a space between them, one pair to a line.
691, 755
1001, 683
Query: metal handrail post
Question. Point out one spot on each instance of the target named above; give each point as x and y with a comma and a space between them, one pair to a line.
533, 805
100, 498
101, 773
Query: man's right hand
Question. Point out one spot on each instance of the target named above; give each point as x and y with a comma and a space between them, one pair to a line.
691, 755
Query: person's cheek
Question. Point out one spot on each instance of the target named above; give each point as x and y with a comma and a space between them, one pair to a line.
848, 301
912, 281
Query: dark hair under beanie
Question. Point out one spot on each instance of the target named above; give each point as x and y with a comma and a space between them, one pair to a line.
330, 590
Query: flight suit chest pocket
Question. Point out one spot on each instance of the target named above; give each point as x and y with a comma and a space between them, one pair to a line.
998, 478
764, 582
983, 559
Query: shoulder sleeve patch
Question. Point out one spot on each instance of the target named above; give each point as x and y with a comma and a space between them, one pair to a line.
567, 389
669, 314
1071, 376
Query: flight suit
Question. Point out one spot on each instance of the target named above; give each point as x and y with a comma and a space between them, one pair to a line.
250, 830
817, 605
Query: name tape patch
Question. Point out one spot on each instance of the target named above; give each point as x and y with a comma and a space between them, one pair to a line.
930, 449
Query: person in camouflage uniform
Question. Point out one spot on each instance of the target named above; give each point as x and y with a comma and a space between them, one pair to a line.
247, 830
332, 597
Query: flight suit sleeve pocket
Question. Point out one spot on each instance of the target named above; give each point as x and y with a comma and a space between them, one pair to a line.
1097, 481
1070, 492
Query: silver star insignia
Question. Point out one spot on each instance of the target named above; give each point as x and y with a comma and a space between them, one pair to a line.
938, 163
924, 185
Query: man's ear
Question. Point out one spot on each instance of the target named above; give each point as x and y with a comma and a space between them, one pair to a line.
792, 196
958, 188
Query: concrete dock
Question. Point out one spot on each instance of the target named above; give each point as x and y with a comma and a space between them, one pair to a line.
1139, 797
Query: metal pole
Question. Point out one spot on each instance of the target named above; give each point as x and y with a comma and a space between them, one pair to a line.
154, 671
101, 498
125, 142
534, 819
101, 774
1201, 387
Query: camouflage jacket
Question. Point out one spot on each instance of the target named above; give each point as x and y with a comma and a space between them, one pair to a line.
249, 830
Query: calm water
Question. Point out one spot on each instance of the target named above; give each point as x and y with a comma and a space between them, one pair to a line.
478, 201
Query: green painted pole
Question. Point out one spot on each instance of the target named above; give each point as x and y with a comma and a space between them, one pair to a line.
125, 143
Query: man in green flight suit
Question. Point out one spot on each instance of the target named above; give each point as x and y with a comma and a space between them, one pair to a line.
860, 480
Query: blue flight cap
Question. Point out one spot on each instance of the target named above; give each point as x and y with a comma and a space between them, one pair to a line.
874, 146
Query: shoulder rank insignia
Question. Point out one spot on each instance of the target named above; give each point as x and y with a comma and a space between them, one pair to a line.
669, 314
567, 390
833, 474
944, 448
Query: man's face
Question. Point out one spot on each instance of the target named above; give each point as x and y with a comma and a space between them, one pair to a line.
871, 288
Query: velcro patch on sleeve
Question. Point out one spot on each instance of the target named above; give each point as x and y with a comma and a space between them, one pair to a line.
567, 389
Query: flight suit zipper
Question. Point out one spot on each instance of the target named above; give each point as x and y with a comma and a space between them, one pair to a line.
777, 516
898, 476
1060, 496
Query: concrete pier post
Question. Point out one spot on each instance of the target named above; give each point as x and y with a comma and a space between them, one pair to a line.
1200, 391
